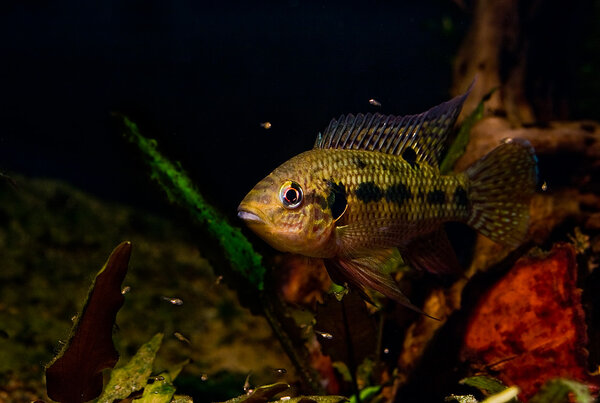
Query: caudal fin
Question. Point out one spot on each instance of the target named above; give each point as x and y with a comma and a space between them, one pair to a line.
501, 186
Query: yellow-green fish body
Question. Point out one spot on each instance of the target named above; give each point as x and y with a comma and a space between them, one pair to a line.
372, 184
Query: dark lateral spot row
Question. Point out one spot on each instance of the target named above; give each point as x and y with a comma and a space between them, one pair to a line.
336, 200
398, 194
460, 197
368, 192
359, 162
436, 197
320, 200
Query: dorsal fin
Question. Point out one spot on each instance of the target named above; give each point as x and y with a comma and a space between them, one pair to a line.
424, 133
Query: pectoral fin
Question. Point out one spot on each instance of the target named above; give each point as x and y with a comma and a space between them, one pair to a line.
432, 252
365, 272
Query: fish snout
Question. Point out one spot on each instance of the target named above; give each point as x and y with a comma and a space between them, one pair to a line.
248, 214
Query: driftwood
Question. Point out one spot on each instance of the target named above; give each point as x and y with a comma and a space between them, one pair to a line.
554, 138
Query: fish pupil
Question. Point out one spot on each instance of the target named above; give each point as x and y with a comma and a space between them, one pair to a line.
291, 196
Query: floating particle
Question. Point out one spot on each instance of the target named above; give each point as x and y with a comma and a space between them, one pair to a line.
218, 280
266, 125
204, 377
324, 335
181, 337
374, 102
544, 186
174, 301
386, 351
125, 290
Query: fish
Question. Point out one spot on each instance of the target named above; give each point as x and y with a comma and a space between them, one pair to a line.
374, 102
371, 187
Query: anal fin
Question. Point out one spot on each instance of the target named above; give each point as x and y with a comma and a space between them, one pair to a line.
431, 252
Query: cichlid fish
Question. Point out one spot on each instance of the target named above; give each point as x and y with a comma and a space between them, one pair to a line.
372, 184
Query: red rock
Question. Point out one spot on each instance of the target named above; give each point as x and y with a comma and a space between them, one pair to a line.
530, 326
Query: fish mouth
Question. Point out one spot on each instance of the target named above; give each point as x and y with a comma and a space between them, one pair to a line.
249, 216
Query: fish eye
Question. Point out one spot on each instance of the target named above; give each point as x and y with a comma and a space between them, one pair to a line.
290, 194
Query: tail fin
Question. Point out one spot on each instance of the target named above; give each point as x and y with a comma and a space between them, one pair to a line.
501, 186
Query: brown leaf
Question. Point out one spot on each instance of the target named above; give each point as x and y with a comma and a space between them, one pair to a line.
530, 326
361, 338
75, 374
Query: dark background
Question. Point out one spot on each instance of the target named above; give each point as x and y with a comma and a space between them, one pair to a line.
200, 77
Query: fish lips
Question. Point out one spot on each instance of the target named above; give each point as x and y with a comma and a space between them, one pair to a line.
250, 215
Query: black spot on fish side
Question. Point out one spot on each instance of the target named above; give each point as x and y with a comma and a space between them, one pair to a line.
436, 197
368, 192
320, 200
337, 200
398, 194
410, 156
460, 197
359, 162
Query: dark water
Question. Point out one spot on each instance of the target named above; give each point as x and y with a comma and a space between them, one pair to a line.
201, 77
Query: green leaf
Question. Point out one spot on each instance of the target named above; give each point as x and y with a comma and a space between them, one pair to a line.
134, 375
486, 384
176, 370
558, 390
160, 391
75, 375
179, 188
343, 370
457, 149
366, 394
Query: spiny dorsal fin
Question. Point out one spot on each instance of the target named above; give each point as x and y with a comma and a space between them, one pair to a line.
424, 133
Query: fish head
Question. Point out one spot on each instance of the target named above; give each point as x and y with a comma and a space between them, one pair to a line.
288, 210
